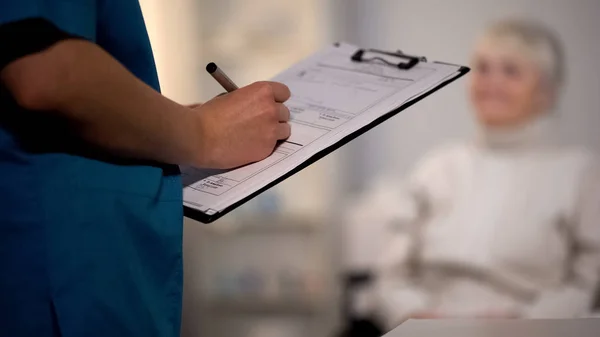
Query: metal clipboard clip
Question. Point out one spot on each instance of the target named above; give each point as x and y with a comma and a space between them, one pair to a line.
395, 59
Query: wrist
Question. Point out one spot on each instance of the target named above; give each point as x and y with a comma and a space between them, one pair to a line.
187, 138
197, 139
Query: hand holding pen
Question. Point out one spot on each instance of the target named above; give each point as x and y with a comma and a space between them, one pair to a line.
244, 125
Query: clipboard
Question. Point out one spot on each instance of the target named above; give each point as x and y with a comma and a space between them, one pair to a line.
402, 62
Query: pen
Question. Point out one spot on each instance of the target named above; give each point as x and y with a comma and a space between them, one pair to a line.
220, 77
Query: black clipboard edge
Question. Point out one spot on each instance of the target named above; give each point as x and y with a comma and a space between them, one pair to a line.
197, 215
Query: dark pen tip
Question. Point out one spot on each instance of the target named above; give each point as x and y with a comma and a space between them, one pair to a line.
211, 67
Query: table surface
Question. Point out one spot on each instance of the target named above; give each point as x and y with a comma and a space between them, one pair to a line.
586, 327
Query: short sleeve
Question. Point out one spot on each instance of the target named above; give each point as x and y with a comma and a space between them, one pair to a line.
76, 17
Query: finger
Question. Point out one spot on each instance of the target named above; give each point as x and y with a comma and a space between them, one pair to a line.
284, 131
221, 94
284, 112
281, 92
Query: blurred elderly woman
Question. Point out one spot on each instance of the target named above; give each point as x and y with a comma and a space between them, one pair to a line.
506, 225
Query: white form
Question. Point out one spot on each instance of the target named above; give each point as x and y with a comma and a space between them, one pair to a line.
332, 97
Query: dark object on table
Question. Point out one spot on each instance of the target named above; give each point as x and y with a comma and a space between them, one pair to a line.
363, 327
357, 326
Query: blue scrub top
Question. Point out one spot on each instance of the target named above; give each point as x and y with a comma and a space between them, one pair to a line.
90, 245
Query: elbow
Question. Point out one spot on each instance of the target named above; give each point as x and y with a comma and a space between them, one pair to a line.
32, 85
31, 96
30, 93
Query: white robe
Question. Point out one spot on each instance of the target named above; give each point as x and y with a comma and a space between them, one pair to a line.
506, 224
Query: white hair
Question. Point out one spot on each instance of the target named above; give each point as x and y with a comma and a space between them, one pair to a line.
539, 42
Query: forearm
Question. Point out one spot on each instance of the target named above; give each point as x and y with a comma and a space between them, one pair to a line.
575, 296
104, 103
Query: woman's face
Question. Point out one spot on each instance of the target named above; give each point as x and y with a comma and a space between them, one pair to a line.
505, 88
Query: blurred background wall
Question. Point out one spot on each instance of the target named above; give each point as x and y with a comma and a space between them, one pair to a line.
253, 40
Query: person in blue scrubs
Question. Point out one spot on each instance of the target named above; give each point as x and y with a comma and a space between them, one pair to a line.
90, 194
